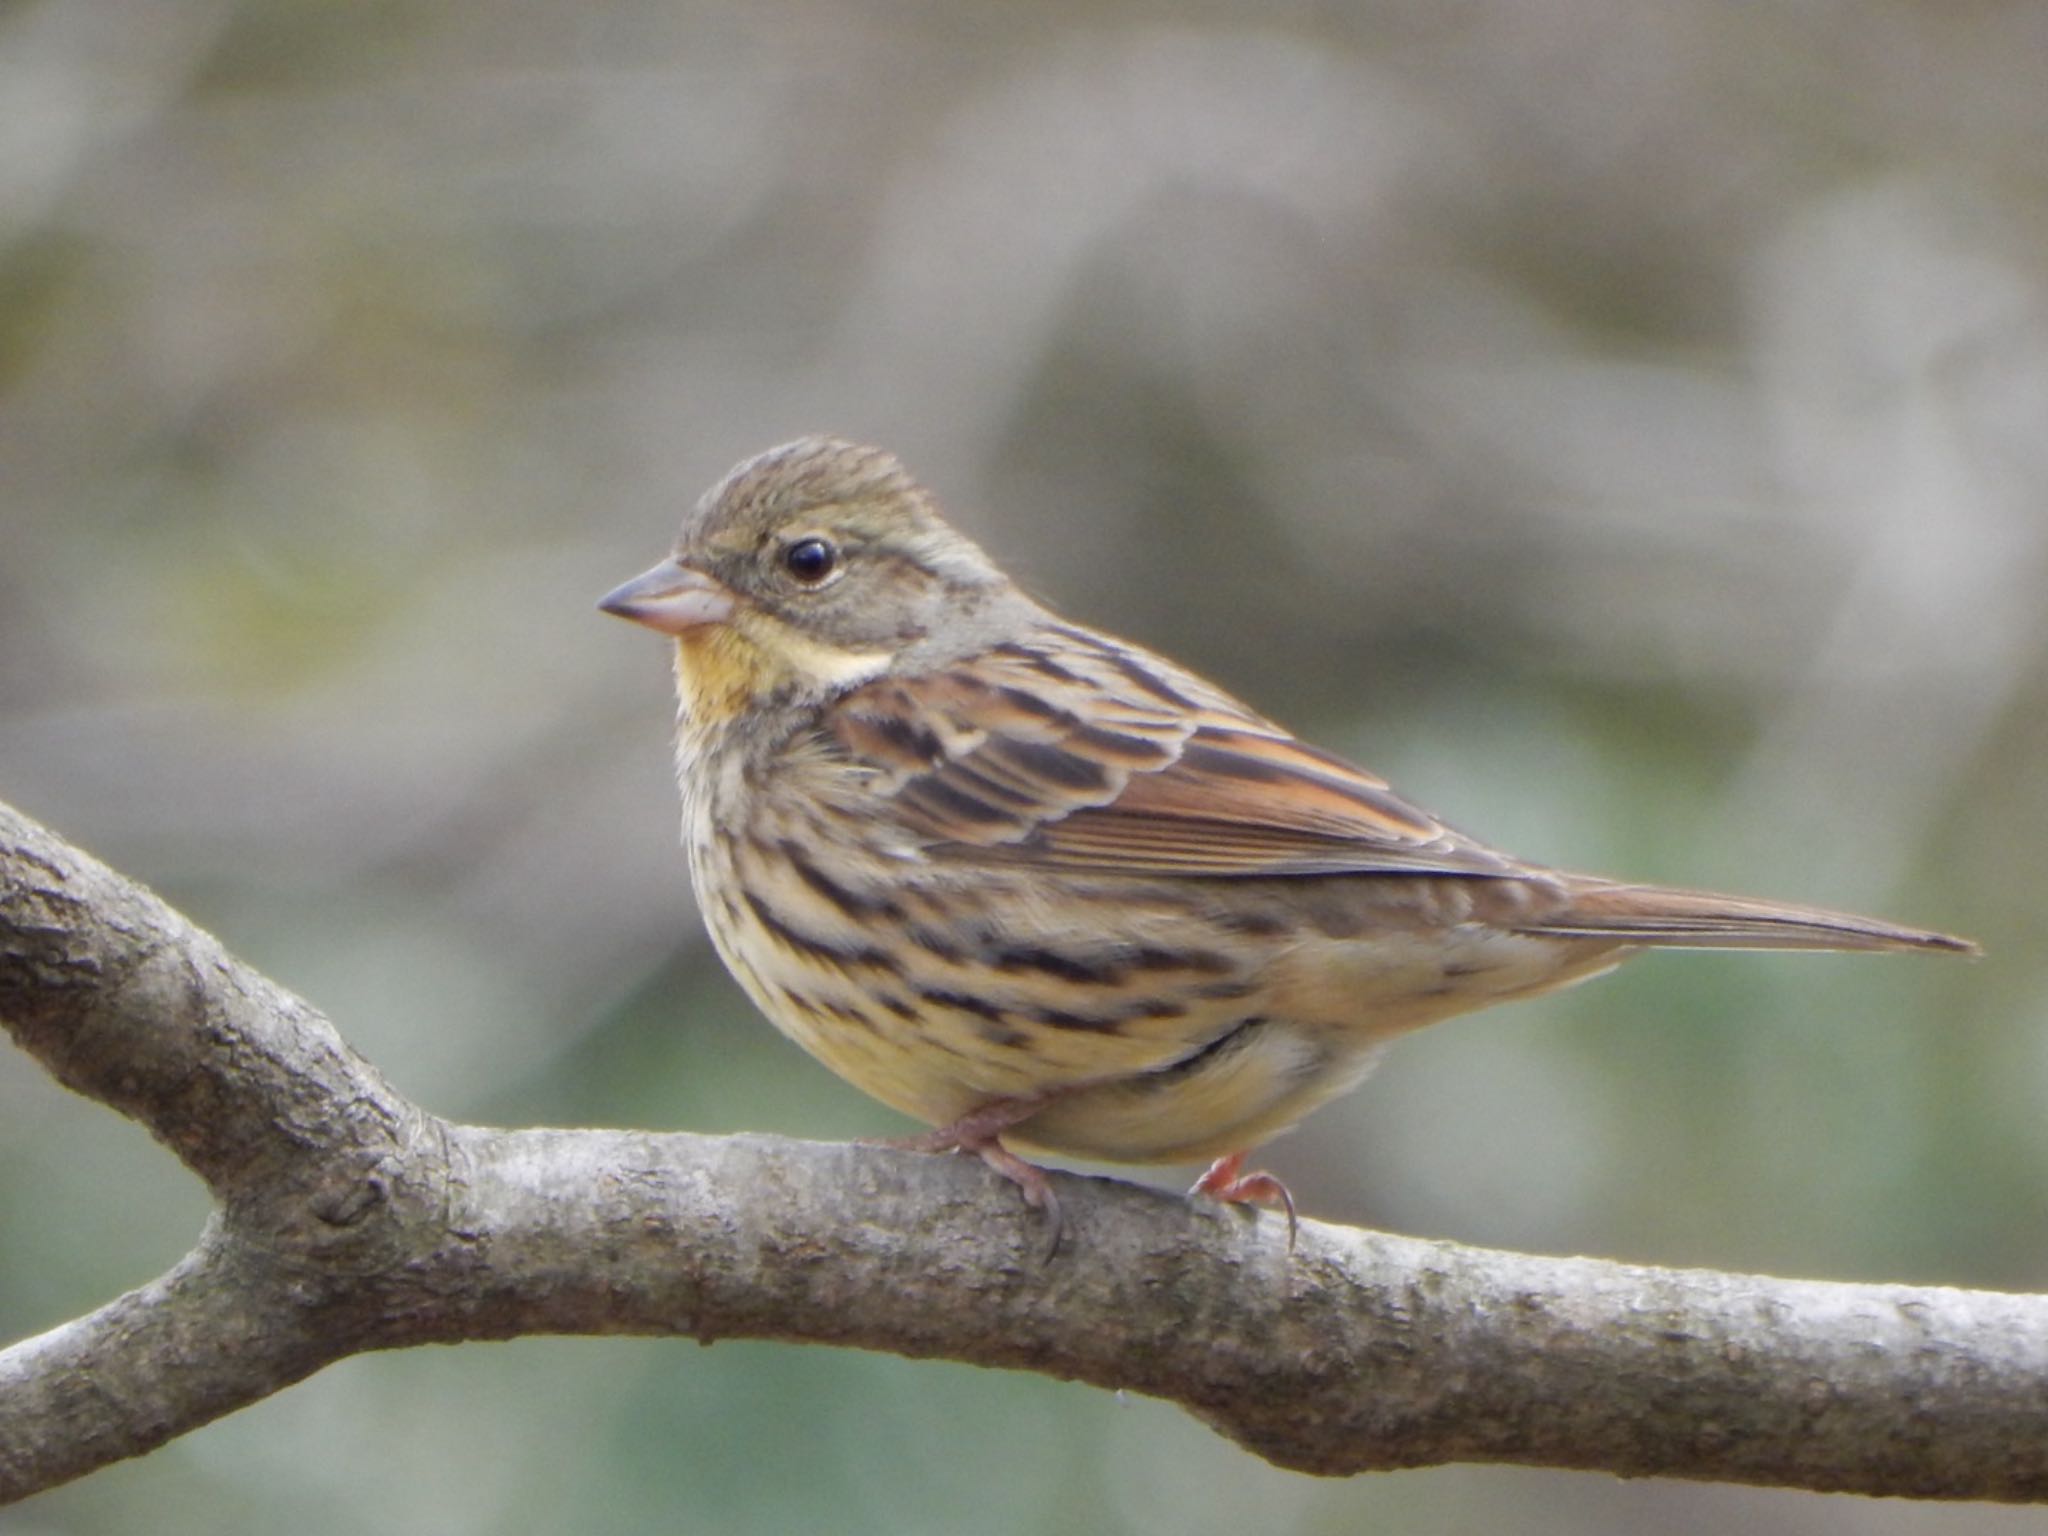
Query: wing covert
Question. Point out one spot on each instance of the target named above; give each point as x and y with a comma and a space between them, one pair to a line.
1071, 750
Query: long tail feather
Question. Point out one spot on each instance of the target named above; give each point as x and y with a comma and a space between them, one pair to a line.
1679, 919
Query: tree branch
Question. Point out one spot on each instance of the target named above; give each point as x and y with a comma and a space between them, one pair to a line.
350, 1220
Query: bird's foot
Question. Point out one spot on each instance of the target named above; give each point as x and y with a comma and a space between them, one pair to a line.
979, 1132
1227, 1181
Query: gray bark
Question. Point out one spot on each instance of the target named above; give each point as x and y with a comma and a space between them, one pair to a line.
350, 1219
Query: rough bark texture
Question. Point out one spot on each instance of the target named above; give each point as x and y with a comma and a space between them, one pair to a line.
350, 1219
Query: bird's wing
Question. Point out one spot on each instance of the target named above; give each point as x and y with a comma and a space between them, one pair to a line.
1073, 750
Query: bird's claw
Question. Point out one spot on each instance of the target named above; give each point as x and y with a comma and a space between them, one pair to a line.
1226, 1180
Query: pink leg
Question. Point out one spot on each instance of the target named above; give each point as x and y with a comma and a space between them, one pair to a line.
1227, 1181
980, 1131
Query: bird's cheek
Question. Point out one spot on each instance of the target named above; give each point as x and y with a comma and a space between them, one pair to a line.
787, 655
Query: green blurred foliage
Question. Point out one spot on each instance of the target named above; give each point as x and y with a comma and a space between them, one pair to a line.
1620, 425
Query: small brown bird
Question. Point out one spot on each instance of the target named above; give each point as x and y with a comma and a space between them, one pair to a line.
1035, 885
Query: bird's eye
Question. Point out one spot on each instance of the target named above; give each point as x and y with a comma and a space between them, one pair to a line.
810, 560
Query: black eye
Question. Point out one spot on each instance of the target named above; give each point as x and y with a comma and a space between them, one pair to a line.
811, 560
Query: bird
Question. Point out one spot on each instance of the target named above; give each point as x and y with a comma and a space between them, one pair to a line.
1049, 892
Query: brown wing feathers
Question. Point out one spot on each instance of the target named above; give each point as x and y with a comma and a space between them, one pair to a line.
1136, 768
1129, 765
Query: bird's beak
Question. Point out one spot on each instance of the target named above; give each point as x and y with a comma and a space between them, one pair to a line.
672, 598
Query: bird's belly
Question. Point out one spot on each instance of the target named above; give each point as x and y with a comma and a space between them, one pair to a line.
1156, 1029
1252, 1084
938, 1023
1333, 1007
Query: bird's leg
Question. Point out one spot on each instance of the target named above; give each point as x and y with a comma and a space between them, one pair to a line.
980, 1131
1227, 1181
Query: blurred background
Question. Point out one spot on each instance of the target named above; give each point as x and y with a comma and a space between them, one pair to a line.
1625, 427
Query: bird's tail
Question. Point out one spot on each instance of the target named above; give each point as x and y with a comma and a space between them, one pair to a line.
1679, 919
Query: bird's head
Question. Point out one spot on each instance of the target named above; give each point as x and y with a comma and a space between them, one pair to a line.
810, 569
